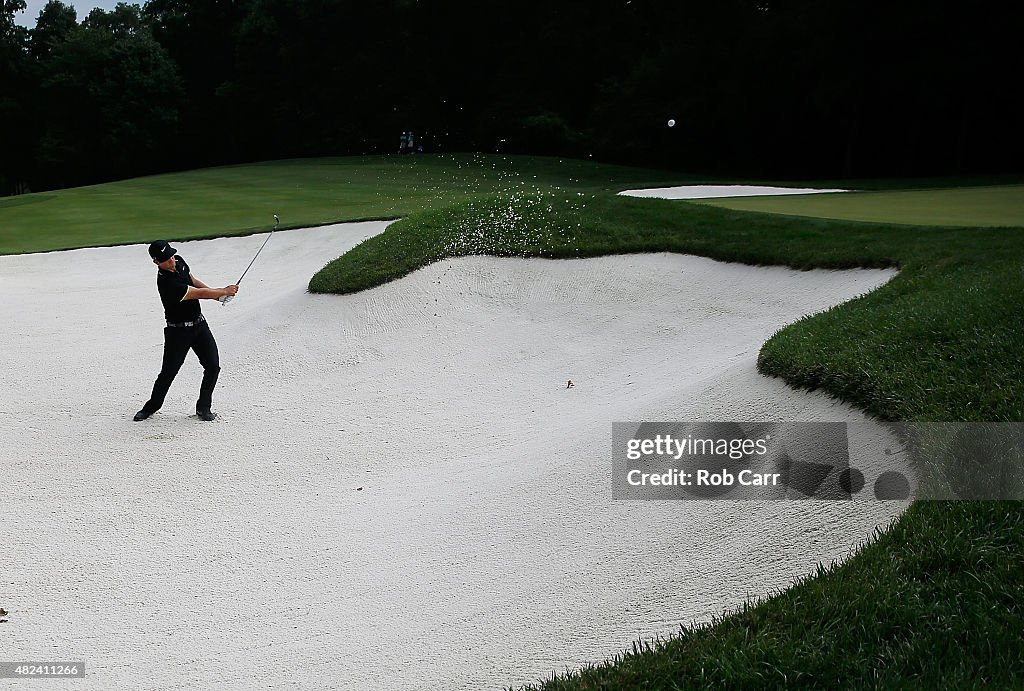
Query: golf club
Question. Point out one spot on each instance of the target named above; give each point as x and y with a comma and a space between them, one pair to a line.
227, 298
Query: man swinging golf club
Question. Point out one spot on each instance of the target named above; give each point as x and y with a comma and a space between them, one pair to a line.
180, 293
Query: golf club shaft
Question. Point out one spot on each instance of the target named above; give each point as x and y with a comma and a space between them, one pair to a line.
276, 221
224, 300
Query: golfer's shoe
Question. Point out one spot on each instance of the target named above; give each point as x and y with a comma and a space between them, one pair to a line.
141, 415
206, 415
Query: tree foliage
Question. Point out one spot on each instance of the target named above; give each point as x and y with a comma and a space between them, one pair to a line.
758, 88
109, 100
15, 95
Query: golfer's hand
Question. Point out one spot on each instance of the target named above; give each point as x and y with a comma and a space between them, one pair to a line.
230, 291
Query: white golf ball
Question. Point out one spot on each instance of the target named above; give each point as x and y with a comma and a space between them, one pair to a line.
671, 123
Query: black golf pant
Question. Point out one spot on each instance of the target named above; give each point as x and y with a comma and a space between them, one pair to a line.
178, 340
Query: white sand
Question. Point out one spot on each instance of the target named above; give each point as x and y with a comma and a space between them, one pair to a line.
483, 549
715, 191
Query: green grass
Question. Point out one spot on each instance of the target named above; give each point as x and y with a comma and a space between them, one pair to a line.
1001, 205
935, 602
239, 200
939, 342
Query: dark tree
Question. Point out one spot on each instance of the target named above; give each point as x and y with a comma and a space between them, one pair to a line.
15, 97
56, 20
201, 38
757, 88
110, 98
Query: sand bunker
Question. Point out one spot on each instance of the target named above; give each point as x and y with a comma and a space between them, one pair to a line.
714, 191
400, 492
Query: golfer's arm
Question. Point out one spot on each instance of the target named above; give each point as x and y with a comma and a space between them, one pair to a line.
194, 293
197, 282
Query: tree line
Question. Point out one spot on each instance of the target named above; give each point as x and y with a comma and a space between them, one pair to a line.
757, 88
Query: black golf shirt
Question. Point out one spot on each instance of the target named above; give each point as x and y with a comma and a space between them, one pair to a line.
172, 286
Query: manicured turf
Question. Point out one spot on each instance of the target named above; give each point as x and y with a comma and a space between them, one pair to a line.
936, 602
1001, 205
939, 342
238, 200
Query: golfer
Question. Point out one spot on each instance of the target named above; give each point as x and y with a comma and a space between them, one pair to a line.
180, 293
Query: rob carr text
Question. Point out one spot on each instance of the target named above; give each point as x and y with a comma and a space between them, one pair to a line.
703, 478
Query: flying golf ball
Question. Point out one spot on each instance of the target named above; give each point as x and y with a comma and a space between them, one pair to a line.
671, 123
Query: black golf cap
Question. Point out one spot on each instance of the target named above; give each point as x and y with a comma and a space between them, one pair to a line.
161, 251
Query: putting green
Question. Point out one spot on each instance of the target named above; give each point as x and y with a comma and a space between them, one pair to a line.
1001, 205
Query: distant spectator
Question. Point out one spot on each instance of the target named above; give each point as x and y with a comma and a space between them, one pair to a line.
402, 142
411, 143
